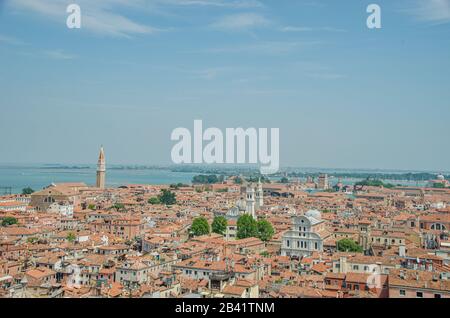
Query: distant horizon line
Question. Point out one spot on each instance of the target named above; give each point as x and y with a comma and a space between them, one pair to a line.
218, 166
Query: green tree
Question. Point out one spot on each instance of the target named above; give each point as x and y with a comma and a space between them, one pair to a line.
91, 206
167, 197
284, 180
219, 225
247, 227
348, 245
257, 178
265, 230
71, 237
154, 200
178, 185
32, 240
27, 191
206, 179
438, 185
374, 183
119, 206
200, 227
7, 221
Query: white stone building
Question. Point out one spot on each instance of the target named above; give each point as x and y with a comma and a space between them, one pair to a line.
306, 236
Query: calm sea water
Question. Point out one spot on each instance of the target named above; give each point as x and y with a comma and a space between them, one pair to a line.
39, 177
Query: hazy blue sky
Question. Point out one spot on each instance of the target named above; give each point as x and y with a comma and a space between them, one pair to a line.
342, 95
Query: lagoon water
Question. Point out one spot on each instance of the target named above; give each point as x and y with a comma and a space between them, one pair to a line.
38, 177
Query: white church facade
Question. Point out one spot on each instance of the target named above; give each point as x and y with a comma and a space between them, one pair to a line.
306, 236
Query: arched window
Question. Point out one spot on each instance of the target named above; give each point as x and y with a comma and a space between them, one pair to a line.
438, 226
49, 200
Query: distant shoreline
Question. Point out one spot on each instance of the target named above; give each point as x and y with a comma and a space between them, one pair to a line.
38, 176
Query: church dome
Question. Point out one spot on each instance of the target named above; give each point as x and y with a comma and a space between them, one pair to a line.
240, 204
441, 177
233, 212
314, 214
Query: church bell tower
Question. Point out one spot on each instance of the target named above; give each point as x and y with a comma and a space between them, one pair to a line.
101, 169
259, 195
250, 200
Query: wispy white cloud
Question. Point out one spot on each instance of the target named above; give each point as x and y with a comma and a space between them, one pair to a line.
432, 11
326, 76
59, 55
215, 3
29, 51
241, 21
317, 71
104, 17
267, 47
97, 16
310, 29
210, 73
10, 40
54, 54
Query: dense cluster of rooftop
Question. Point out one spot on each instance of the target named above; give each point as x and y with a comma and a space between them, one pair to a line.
71, 240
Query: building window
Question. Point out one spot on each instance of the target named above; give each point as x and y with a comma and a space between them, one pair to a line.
419, 295
402, 292
437, 296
